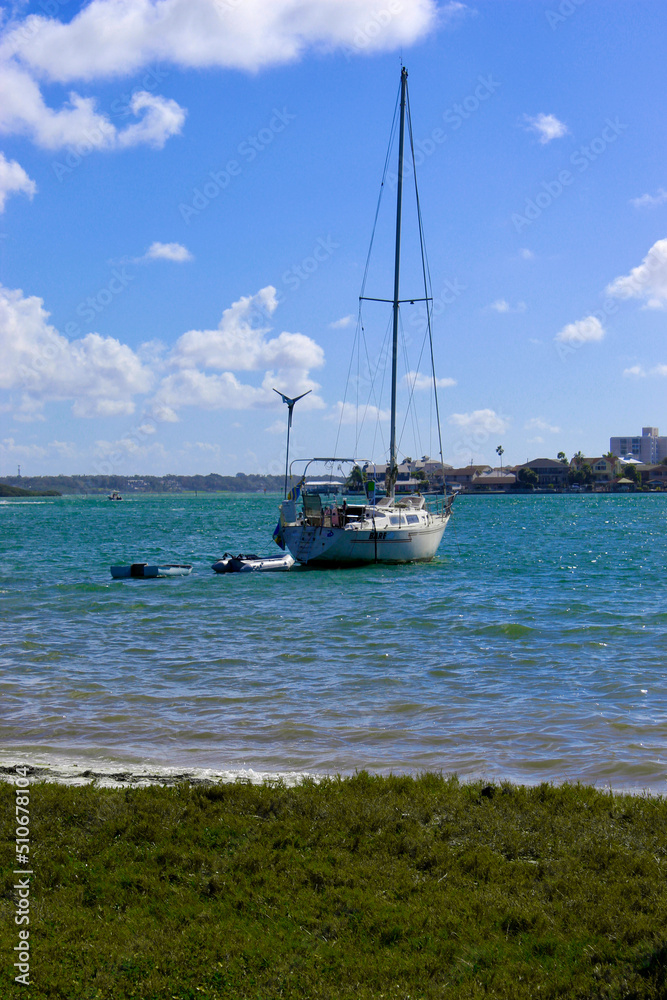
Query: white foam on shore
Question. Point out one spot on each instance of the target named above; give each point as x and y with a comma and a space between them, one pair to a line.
121, 774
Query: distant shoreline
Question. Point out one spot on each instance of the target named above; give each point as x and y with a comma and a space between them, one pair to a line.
134, 485
558, 493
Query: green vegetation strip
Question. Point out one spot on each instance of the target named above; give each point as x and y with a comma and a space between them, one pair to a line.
351, 888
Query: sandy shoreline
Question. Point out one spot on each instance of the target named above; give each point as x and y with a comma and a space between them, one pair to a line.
121, 774
117, 774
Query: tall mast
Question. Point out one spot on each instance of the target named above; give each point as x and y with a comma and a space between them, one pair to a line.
393, 465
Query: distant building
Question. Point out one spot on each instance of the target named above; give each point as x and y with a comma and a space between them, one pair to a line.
493, 480
549, 471
604, 470
649, 449
467, 474
410, 475
654, 476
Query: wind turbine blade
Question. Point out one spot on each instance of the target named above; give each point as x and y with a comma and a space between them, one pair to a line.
301, 396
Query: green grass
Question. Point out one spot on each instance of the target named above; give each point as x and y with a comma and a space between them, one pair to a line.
352, 888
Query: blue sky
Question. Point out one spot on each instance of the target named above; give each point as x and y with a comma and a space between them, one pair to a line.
188, 190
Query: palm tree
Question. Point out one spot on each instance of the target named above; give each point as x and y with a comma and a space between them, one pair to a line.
355, 481
500, 451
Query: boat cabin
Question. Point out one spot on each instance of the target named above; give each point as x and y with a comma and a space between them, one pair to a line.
338, 514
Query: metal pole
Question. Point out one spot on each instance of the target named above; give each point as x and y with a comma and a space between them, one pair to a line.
289, 424
397, 267
290, 407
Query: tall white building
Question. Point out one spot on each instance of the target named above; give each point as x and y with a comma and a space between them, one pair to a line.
650, 448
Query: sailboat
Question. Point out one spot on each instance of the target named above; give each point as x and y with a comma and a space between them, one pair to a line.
391, 529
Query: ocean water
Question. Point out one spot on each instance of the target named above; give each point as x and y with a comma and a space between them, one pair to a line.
532, 648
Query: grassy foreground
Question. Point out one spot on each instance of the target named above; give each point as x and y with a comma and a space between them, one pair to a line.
352, 888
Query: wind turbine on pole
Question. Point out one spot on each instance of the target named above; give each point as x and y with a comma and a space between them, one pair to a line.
290, 408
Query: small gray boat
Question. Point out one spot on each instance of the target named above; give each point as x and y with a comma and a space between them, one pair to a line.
251, 563
144, 571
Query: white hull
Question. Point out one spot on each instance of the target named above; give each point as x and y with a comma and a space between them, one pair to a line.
371, 538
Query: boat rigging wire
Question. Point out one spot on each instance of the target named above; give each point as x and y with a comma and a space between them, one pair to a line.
360, 326
428, 286
360, 334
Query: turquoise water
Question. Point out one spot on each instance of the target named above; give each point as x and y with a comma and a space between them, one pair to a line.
532, 648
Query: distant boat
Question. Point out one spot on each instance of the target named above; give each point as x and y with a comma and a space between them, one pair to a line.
143, 571
253, 564
115, 495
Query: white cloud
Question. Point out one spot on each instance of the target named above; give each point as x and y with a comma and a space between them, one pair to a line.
350, 413
546, 127
419, 381
648, 281
538, 424
109, 39
201, 446
191, 387
500, 305
638, 371
277, 427
239, 343
102, 377
503, 306
650, 200
11, 449
526, 254
63, 449
29, 410
582, 331
340, 324
161, 119
77, 124
99, 373
167, 251
480, 422
13, 178
129, 447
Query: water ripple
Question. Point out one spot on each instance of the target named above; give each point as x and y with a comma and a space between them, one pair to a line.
531, 648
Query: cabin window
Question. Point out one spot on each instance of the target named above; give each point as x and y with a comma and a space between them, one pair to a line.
413, 518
